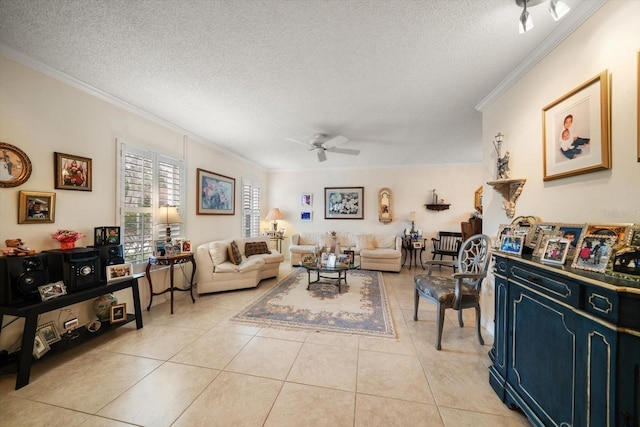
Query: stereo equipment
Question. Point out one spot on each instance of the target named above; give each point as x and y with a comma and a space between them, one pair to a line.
78, 268
109, 255
20, 278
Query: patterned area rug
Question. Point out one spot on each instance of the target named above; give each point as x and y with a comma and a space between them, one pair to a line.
361, 308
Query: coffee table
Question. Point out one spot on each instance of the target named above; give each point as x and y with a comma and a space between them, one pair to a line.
340, 270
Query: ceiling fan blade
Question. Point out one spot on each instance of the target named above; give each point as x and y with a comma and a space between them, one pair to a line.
322, 156
343, 151
296, 141
337, 140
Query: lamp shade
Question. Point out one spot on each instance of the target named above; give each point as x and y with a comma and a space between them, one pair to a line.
274, 214
168, 215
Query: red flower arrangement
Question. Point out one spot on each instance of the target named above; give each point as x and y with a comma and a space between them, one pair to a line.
67, 238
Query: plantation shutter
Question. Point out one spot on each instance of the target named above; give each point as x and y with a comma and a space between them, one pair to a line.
250, 208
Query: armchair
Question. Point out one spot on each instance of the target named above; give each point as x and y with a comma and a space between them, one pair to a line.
447, 243
462, 289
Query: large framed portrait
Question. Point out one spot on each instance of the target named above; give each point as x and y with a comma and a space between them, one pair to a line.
15, 166
72, 172
576, 131
216, 194
344, 203
35, 207
385, 210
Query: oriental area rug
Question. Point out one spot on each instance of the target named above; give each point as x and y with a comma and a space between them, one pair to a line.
362, 307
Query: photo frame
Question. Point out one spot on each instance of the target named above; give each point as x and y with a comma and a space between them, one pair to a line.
477, 201
351, 256
633, 235
119, 271
555, 251
306, 216
344, 203
15, 166
593, 252
118, 313
36, 207
536, 232
72, 172
159, 250
543, 238
40, 347
306, 200
48, 332
511, 230
216, 194
308, 258
52, 290
512, 244
385, 207
575, 131
417, 245
620, 231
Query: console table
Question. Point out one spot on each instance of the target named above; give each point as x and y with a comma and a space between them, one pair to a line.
30, 311
170, 261
566, 345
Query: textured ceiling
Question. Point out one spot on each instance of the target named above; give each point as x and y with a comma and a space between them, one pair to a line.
400, 79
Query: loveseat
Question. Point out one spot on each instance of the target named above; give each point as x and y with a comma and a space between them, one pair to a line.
217, 271
373, 251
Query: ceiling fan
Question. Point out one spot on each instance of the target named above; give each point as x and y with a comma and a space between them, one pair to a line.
322, 143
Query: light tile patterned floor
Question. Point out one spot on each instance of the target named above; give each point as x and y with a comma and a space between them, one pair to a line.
197, 368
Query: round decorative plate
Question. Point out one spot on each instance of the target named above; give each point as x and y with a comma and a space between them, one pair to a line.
15, 166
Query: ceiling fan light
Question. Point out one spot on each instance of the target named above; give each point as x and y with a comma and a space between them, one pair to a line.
525, 21
558, 8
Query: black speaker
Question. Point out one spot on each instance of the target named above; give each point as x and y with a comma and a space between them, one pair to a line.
109, 255
20, 278
78, 268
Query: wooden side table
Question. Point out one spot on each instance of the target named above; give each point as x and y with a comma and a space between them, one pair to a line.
171, 261
278, 241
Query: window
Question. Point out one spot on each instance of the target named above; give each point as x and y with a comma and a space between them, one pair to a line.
148, 181
250, 208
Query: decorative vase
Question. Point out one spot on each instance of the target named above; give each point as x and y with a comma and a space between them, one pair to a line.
102, 306
67, 244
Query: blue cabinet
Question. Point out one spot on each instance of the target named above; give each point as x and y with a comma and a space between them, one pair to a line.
566, 345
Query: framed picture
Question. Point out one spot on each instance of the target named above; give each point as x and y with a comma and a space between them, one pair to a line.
306, 216
351, 256
619, 231
40, 347
555, 251
534, 235
344, 203
118, 313
119, 271
633, 238
385, 211
576, 131
159, 248
35, 207
512, 230
216, 194
417, 245
543, 238
15, 166
72, 172
306, 200
48, 332
308, 258
593, 252
512, 244
186, 245
112, 236
52, 290
477, 201
571, 232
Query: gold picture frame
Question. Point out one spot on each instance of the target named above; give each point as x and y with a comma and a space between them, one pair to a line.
15, 166
72, 172
575, 131
477, 202
36, 207
385, 211
216, 194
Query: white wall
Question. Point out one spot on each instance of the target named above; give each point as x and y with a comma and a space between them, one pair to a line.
609, 40
411, 189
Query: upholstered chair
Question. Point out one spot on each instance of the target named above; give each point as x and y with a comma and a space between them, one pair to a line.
459, 291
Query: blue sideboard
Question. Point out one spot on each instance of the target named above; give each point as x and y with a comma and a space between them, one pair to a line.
566, 345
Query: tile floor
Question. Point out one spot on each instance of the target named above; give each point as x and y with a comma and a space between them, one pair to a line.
198, 368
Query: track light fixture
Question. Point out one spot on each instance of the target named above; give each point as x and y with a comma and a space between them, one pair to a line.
557, 9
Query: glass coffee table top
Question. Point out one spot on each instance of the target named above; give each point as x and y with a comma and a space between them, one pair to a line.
340, 270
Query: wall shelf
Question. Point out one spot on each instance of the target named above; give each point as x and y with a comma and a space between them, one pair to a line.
510, 190
437, 206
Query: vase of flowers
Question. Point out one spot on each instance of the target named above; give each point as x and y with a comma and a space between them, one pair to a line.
67, 238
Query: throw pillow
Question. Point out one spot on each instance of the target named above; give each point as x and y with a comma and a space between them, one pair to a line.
255, 248
234, 253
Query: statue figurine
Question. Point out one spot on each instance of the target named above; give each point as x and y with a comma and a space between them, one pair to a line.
503, 166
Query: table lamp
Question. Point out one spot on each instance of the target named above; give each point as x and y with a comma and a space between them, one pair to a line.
168, 215
412, 217
274, 215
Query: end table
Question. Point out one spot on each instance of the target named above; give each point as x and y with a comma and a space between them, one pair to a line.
170, 261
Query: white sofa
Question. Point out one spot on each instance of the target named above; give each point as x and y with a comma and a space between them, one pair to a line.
215, 272
373, 251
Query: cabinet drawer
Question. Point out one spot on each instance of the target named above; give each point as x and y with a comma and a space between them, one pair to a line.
601, 303
554, 286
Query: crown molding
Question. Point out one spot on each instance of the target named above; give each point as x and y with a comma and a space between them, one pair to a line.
582, 11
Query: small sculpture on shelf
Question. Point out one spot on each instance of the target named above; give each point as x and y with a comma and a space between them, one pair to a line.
502, 163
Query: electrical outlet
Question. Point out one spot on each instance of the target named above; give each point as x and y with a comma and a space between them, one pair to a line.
71, 324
